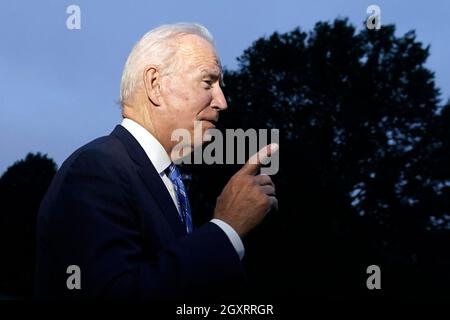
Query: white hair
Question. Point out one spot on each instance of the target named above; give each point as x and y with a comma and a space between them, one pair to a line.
156, 47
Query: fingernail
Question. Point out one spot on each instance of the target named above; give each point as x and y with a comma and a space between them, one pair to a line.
274, 147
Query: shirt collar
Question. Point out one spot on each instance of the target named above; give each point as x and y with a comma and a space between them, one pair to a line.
152, 147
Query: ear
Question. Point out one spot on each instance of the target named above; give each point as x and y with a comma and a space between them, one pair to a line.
152, 84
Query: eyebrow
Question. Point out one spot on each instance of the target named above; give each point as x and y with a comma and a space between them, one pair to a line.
215, 75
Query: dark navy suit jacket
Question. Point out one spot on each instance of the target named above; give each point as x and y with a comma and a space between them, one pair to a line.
108, 212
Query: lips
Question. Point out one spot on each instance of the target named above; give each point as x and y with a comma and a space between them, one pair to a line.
213, 121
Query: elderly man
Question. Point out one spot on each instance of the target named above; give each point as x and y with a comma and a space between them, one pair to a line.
116, 221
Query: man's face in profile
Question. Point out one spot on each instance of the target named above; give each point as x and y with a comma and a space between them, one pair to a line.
192, 92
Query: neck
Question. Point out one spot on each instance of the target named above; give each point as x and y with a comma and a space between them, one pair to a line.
143, 118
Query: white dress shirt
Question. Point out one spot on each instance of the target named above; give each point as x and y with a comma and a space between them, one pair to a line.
161, 160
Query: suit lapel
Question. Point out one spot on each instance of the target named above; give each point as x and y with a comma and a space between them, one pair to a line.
151, 179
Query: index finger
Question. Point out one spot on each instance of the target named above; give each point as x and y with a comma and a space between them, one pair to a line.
254, 162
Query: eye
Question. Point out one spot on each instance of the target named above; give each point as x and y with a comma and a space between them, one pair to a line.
208, 83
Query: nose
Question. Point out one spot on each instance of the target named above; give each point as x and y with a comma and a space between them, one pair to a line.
219, 102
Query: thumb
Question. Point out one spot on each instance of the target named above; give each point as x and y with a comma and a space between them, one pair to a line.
253, 164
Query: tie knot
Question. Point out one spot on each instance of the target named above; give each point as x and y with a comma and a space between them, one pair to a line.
172, 172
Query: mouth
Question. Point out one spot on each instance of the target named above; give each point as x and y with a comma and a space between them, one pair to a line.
213, 122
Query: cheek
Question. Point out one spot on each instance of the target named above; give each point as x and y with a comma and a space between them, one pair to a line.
193, 102
186, 101
175, 92
202, 99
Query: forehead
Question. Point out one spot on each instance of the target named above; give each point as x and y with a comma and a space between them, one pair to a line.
197, 53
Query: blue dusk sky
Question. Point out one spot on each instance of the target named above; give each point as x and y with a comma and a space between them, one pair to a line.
59, 87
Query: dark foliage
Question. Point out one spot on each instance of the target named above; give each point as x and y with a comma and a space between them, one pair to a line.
364, 153
22, 188
364, 168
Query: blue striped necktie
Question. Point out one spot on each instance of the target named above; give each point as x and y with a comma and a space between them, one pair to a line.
183, 202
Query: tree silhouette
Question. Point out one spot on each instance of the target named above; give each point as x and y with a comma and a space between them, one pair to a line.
22, 188
364, 176
363, 161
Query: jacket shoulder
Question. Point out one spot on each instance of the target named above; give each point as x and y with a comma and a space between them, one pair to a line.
105, 151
